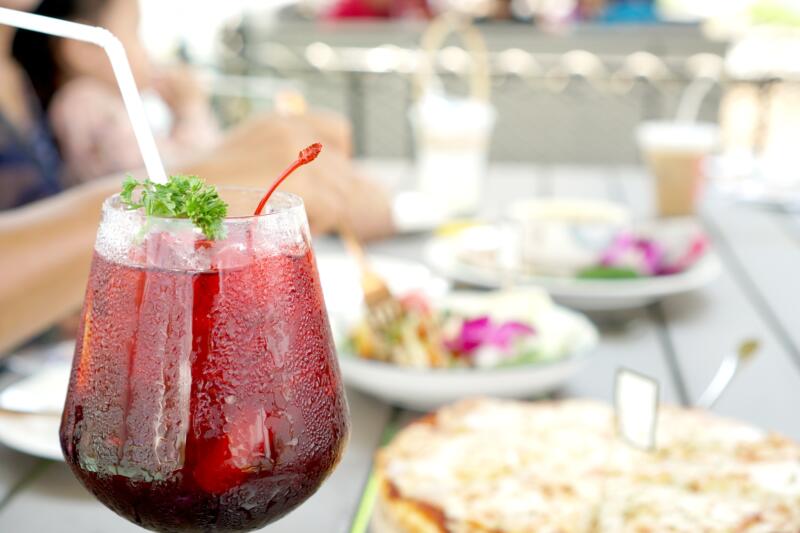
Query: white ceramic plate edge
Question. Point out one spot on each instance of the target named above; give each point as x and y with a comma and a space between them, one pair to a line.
440, 255
35, 435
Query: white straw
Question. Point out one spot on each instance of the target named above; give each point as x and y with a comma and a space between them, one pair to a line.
692, 99
122, 70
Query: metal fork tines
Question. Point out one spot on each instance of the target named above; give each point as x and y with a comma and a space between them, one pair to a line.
382, 307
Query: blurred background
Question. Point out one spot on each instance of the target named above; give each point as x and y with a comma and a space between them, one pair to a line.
632, 159
570, 79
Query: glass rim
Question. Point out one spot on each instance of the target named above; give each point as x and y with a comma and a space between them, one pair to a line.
293, 203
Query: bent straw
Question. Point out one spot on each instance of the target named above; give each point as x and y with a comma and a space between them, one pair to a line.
122, 71
692, 99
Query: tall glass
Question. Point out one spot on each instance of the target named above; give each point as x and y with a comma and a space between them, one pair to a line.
205, 393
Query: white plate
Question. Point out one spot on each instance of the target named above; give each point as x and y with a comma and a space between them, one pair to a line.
37, 357
589, 295
428, 389
35, 434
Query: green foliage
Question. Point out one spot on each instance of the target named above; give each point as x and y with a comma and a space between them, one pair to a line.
181, 197
603, 272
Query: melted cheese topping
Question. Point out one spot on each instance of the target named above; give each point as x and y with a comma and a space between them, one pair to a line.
503, 466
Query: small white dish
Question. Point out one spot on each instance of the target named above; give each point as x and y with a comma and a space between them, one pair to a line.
443, 254
30, 412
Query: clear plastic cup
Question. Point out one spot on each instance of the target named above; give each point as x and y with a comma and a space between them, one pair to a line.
674, 152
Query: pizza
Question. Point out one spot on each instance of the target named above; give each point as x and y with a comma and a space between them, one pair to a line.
497, 466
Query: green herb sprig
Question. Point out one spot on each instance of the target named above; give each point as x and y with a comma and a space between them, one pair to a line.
604, 272
181, 197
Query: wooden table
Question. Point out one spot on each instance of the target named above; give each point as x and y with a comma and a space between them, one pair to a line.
680, 341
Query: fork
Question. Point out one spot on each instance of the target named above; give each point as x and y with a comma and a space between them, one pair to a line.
746, 350
382, 307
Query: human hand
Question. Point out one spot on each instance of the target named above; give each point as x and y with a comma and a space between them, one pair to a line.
254, 153
332, 129
181, 90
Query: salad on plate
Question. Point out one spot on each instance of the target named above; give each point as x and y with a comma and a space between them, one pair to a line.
467, 330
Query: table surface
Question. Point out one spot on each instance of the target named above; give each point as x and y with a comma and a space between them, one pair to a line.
680, 341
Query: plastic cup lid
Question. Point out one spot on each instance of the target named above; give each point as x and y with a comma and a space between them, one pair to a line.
678, 135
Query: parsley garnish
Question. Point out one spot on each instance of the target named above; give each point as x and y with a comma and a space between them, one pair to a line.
605, 272
181, 197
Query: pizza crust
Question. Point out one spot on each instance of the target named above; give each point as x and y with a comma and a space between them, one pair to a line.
499, 466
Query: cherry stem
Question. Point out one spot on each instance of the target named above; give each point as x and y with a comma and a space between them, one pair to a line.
306, 156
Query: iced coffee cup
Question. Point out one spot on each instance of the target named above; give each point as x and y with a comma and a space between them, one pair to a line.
674, 152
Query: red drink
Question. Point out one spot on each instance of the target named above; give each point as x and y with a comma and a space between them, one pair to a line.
205, 400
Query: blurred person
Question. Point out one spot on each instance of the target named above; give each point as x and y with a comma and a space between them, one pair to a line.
47, 230
46, 246
74, 82
77, 88
30, 166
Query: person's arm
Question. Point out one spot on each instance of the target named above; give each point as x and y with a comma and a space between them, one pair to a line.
45, 252
194, 125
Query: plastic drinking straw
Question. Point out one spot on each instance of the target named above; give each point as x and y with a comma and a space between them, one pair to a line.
692, 99
122, 71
